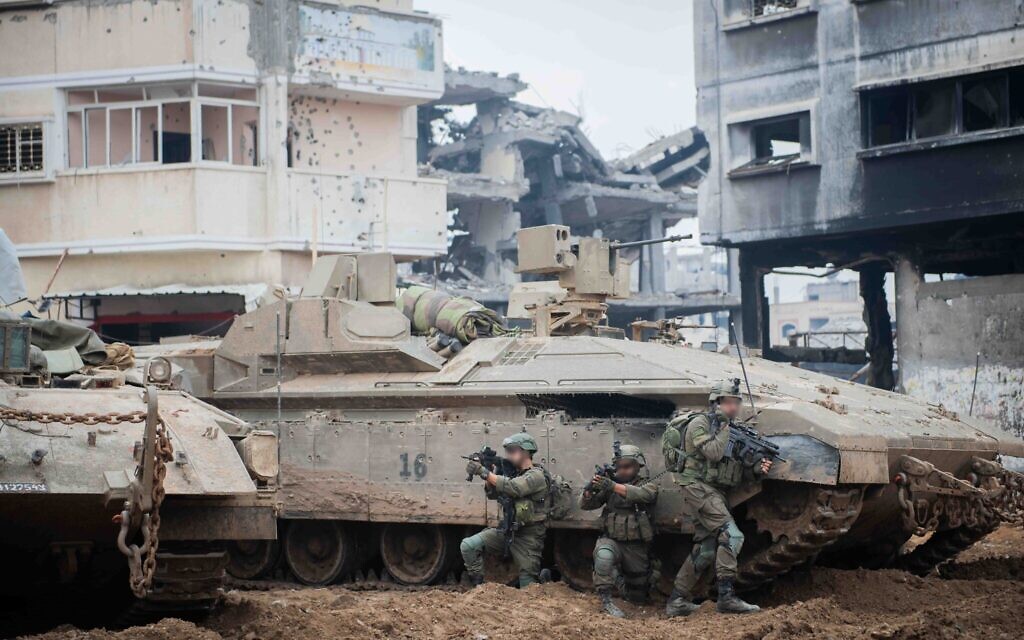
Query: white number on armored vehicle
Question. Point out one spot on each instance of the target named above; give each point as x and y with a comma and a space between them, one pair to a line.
23, 487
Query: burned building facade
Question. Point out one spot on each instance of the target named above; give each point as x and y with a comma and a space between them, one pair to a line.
886, 137
516, 165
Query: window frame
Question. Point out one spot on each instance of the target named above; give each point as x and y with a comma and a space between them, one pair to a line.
42, 175
739, 13
742, 141
195, 102
959, 134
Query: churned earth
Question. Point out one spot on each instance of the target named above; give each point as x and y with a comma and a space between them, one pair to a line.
979, 595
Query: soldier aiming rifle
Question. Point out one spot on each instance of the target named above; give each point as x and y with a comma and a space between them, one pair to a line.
623, 550
521, 489
708, 453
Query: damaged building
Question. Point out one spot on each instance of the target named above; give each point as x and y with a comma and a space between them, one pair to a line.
199, 149
517, 165
884, 137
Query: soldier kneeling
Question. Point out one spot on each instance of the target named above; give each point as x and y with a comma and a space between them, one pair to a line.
624, 547
526, 495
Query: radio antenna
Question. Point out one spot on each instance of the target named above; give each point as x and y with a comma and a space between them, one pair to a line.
739, 352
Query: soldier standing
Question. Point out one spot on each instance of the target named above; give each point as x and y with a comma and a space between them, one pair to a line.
527, 495
694, 447
623, 549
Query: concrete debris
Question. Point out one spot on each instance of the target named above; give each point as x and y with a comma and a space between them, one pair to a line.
516, 165
675, 161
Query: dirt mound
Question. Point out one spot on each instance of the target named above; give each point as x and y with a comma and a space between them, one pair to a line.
169, 629
813, 605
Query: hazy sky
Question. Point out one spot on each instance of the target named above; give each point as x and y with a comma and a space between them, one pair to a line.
627, 66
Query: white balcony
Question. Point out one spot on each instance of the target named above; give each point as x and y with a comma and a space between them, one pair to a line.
223, 208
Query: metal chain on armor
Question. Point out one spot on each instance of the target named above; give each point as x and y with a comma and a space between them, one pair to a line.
141, 569
46, 417
141, 579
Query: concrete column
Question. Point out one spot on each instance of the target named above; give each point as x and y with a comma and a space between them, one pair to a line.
878, 344
278, 220
751, 301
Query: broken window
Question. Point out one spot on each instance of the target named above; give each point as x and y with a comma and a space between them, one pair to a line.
888, 118
215, 133
1016, 98
946, 108
244, 127
984, 103
176, 134
21, 149
935, 110
771, 7
777, 141
120, 126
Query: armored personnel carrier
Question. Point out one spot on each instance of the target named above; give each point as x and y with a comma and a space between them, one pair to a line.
116, 499
373, 421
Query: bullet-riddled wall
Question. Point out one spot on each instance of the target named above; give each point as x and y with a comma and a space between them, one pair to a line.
213, 141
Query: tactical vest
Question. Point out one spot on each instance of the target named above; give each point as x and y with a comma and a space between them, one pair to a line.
533, 508
625, 521
687, 464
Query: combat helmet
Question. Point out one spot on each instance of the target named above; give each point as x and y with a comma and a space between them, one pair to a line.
522, 440
631, 452
725, 389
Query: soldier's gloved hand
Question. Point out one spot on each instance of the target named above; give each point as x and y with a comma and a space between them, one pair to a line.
474, 468
601, 484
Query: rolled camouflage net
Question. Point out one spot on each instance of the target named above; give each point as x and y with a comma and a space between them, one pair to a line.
461, 318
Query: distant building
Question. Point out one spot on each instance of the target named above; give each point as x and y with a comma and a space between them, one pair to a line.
199, 150
886, 137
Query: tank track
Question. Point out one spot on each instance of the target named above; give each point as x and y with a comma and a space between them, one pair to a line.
359, 581
942, 546
835, 509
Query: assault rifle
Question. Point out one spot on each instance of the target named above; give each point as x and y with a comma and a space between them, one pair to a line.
749, 447
609, 469
491, 461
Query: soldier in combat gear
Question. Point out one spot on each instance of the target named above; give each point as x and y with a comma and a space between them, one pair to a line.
694, 447
528, 491
623, 548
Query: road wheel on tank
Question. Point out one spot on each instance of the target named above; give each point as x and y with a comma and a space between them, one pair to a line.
574, 556
252, 559
318, 551
418, 554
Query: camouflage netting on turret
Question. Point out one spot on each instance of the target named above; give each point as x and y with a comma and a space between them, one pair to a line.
461, 318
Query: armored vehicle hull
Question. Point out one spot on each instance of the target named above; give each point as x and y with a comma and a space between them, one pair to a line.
372, 426
117, 499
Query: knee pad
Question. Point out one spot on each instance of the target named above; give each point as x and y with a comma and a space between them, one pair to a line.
703, 554
469, 545
731, 536
604, 561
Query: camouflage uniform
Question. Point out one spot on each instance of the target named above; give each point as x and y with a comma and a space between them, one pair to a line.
529, 493
704, 475
705, 503
627, 533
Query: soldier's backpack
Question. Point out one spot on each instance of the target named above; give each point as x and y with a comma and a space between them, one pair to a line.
559, 502
672, 454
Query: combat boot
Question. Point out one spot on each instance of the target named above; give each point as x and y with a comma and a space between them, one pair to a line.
729, 602
475, 579
607, 605
679, 604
